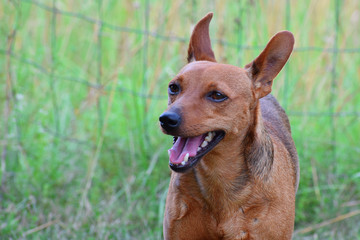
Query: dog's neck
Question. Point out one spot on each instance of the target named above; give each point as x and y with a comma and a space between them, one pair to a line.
258, 147
243, 160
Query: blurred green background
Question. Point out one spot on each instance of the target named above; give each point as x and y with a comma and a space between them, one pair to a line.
83, 83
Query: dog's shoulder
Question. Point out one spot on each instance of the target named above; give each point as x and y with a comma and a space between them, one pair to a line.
278, 124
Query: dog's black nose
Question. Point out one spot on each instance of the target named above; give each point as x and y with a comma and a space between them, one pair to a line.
169, 120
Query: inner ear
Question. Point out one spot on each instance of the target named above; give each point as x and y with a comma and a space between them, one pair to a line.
269, 63
200, 44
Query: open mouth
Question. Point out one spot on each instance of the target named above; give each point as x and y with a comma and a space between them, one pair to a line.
186, 152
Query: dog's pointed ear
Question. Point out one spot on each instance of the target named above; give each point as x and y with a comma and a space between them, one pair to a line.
200, 44
269, 63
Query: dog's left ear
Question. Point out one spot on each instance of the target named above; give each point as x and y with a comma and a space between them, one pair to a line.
200, 44
269, 63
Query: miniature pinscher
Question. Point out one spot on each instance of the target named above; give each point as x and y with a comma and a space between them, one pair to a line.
234, 164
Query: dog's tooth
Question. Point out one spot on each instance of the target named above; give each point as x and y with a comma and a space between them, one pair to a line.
169, 152
199, 149
186, 159
204, 144
209, 137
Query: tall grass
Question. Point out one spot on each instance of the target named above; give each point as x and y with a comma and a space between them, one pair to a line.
82, 88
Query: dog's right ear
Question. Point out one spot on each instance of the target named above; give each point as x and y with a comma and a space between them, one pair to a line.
200, 44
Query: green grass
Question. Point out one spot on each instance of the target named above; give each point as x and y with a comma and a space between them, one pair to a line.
82, 156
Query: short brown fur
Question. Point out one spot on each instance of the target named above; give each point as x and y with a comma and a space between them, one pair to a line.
244, 188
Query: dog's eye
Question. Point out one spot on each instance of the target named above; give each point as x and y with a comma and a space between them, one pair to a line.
216, 96
174, 89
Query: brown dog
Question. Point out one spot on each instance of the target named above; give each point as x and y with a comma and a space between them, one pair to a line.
235, 166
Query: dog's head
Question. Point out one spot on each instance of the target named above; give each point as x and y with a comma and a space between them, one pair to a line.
209, 101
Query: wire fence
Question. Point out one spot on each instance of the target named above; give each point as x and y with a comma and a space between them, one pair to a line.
146, 33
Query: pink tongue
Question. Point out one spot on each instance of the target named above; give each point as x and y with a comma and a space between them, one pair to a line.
183, 146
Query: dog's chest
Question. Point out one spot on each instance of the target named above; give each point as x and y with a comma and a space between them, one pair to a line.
235, 226
214, 226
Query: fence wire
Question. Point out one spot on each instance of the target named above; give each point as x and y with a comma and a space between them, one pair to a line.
146, 33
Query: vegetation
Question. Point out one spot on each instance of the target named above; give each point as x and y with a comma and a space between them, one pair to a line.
82, 156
